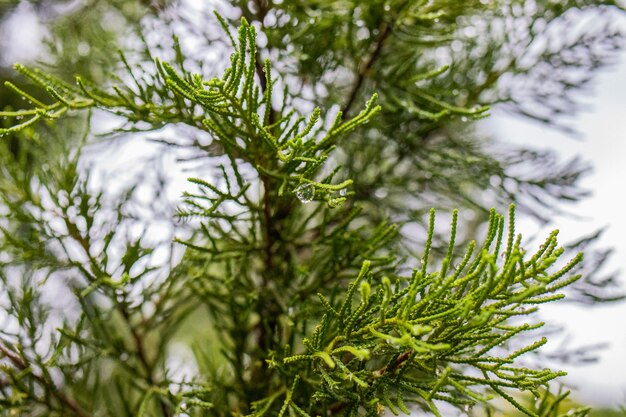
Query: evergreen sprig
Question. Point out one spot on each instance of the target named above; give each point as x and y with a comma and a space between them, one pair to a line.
436, 335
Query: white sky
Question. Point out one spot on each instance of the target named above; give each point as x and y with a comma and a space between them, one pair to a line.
604, 145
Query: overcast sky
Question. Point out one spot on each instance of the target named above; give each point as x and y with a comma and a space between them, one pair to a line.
603, 143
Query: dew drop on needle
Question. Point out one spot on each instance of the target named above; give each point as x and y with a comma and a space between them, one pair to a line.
305, 193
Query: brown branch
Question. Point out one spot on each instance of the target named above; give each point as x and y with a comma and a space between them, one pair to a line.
268, 227
85, 243
66, 400
365, 67
143, 358
262, 10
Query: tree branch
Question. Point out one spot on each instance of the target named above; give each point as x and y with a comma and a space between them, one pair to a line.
143, 358
64, 399
364, 68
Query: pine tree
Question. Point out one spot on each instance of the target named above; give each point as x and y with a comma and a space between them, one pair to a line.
303, 272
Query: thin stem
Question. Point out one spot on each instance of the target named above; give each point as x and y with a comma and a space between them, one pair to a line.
263, 8
365, 67
143, 357
64, 399
85, 243
267, 214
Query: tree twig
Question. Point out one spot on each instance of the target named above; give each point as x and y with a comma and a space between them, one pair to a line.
66, 400
364, 68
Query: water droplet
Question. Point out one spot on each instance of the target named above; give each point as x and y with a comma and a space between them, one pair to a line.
83, 49
464, 119
380, 193
290, 311
305, 192
343, 192
124, 357
436, 20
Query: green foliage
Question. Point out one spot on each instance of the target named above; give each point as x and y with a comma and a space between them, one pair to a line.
424, 337
285, 284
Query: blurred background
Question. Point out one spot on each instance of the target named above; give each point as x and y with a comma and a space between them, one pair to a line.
77, 36
601, 140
